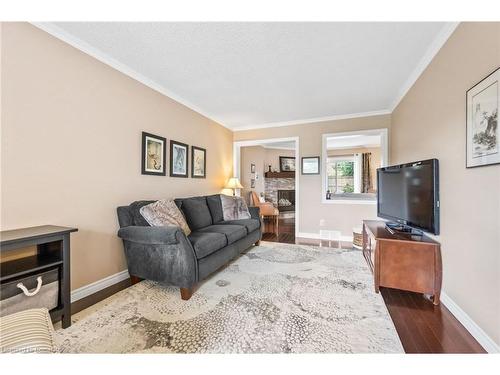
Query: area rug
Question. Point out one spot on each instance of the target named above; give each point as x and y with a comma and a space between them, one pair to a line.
275, 298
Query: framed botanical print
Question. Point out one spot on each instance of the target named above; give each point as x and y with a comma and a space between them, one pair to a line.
178, 159
198, 162
154, 154
483, 134
287, 164
310, 165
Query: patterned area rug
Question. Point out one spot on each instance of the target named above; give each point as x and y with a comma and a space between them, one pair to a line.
275, 298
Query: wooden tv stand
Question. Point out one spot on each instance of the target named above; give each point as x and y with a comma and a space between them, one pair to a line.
402, 261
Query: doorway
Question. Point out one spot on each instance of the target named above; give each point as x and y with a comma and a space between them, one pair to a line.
269, 171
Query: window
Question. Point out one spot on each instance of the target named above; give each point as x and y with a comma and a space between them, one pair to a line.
340, 172
350, 162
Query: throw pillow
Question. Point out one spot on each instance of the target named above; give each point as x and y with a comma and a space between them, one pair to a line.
234, 208
164, 213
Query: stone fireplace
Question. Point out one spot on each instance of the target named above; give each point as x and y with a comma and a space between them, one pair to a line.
271, 187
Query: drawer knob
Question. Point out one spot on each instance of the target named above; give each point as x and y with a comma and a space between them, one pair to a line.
27, 292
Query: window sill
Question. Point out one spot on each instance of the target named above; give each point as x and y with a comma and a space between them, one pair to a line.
350, 201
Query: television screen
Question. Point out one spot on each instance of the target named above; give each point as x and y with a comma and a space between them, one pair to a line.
409, 194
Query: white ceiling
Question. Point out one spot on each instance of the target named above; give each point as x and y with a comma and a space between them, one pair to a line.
352, 141
247, 75
283, 145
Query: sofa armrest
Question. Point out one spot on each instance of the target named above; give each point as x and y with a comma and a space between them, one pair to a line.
254, 212
151, 235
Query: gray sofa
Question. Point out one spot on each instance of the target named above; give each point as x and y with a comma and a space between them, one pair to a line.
167, 255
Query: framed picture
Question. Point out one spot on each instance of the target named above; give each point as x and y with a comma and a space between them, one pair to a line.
198, 162
252, 168
154, 154
178, 159
310, 165
483, 134
287, 164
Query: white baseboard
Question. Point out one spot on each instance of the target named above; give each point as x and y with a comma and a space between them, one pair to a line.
98, 285
482, 338
315, 236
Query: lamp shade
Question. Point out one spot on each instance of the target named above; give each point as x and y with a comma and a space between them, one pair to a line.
233, 183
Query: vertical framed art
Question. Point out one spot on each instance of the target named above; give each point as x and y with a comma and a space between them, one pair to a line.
154, 154
178, 159
198, 162
483, 134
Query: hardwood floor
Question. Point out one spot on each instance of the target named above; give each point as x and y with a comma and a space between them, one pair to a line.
99, 296
286, 231
421, 326
425, 328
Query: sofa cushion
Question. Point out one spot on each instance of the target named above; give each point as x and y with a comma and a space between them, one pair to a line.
233, 233
196, 212
165, 213
249, 224
215, 206
137, 218
234, 208
206, 243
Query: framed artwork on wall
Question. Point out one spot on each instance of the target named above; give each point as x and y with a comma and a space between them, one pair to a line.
287, 164
252, 168
178, 159
154, 152
483, 134
310, 165
198, 162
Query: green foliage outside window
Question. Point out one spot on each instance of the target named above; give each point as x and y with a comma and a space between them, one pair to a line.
346, 168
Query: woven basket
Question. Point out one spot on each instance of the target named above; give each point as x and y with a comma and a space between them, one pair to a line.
357, 238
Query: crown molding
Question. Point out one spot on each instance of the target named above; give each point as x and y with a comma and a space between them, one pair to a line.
96, 53
312, 120
429, 55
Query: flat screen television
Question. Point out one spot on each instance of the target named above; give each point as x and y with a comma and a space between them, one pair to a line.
408, 194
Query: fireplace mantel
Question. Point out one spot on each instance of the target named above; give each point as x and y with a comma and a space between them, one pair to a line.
279, 175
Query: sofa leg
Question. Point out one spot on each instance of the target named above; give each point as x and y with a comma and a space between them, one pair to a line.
257, 243
134, 279
186, 293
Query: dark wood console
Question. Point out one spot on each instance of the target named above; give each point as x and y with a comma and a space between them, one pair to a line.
53, 252
402, 261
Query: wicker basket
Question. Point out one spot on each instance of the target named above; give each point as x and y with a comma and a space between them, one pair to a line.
357, 238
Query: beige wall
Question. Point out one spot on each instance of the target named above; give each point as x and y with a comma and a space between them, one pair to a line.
312, 211
430, 123
272, 158
262, 157
252, 155
71, 146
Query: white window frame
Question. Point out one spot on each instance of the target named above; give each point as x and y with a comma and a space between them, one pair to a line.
337, 159
384, 161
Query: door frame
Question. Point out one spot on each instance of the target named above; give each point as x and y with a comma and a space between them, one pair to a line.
237, 145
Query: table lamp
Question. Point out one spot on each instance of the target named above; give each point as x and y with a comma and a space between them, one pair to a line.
233, 183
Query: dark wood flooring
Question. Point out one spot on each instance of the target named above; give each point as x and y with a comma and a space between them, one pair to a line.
88, 301
286, 231
425, 328
421, 326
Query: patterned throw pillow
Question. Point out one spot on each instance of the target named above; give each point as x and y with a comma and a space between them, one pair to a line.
234, 208
164, 213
